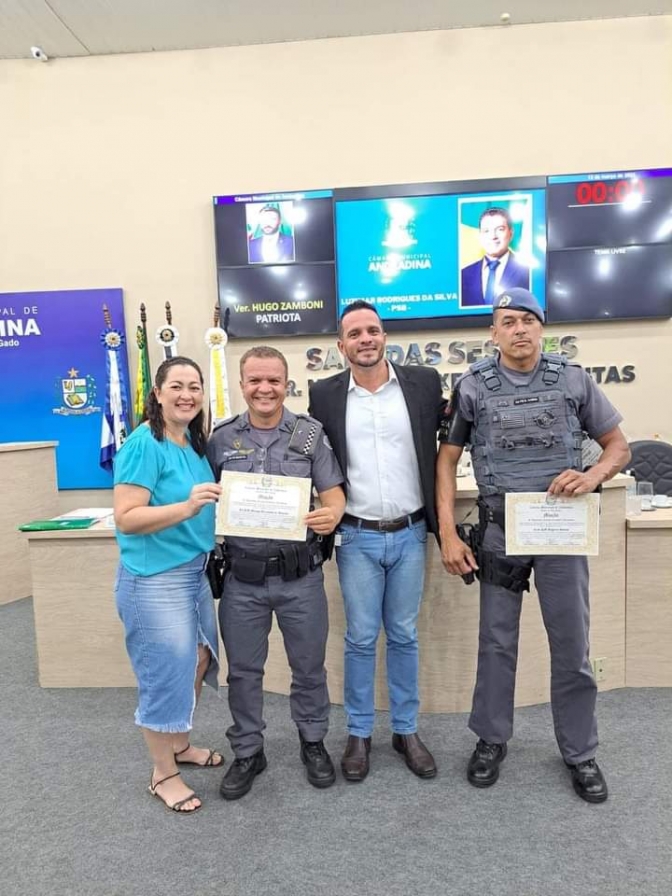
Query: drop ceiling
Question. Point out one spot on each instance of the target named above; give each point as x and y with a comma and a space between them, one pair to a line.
97, 27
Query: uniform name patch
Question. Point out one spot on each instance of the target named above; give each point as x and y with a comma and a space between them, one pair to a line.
532, 399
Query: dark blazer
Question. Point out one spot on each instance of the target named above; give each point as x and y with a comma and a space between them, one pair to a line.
515, 274
421, 387
285, 248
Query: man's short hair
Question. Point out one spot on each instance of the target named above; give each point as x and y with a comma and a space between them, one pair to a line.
358, 305
270, 208
495, 210
264, 351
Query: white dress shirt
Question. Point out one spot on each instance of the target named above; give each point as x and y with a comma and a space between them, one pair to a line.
383, 474
270, 247
499, 271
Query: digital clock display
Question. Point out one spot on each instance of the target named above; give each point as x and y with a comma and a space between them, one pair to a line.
597, 192
626, 208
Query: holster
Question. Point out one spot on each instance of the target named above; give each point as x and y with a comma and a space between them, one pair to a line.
471, 536
496, 570
326, 545
215, 570
316, 550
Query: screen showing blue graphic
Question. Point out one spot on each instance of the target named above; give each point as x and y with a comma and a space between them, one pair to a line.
54, 362
421, 257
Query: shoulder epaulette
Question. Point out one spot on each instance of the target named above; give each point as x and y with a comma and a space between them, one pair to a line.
225, 422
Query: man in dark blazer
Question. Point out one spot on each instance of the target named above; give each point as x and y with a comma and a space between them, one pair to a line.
382, 421
499, 268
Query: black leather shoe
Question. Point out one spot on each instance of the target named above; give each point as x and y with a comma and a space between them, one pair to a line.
240, 777
417, 756
319, 767
355, 761
588, 781
483, 768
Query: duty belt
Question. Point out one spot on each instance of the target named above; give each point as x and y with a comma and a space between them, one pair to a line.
395, 525
292, 562
272, 566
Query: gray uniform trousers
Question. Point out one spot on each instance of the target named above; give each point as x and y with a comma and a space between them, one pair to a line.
245, 616
562, 586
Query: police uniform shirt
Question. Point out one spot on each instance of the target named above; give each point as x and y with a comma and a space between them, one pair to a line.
596, 413
237, 446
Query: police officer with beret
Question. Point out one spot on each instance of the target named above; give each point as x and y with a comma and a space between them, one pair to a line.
284, 577
525, 413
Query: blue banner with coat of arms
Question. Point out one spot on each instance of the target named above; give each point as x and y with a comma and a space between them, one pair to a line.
54, 368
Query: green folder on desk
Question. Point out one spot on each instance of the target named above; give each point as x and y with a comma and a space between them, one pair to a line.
82, 522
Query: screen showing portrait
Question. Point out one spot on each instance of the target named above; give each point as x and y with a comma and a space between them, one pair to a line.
275, 263
616, 208
423, 259
609, 284
282, 299
274, 228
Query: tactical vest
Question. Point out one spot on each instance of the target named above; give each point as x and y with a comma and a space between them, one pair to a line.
523, 436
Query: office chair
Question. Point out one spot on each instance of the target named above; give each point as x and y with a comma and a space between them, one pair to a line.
652, 462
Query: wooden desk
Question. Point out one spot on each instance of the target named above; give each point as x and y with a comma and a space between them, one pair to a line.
649, 587
80, 639
448, 624
29, 492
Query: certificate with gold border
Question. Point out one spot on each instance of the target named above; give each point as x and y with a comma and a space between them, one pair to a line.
255, 505
538, 523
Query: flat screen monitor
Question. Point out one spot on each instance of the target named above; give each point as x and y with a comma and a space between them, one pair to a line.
616, 208
278, 300
610, 284
421, 259
275, 263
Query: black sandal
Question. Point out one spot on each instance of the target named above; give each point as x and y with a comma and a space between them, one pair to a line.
176, 807
209, 762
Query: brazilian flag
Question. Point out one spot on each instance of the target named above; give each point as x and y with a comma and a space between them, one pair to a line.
143, 380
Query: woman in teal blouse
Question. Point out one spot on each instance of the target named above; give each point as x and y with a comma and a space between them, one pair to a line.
164, 510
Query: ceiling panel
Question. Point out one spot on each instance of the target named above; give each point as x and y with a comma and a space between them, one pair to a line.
27, 23
82, 27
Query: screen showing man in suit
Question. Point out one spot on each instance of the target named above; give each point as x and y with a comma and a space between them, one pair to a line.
270, 233
499, 268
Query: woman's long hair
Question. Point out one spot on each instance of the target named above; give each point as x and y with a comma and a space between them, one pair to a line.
153, 413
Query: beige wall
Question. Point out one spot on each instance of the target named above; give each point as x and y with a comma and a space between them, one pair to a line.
107, 164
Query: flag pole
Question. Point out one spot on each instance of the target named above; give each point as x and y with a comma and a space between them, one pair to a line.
167, 336
143, 380
216, 338
114, 427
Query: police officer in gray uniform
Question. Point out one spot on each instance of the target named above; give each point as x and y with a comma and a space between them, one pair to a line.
524, 414
284, 577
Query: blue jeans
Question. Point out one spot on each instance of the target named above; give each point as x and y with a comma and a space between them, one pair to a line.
166, 616
381, 576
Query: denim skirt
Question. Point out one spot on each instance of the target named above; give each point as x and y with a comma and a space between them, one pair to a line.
166, 617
